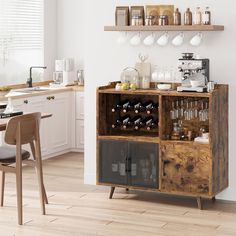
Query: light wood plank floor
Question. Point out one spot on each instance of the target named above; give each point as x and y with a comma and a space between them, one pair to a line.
78, 209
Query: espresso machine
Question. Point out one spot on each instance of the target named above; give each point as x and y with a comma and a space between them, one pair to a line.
194, 73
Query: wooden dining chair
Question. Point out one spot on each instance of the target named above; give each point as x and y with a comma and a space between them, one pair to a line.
20, 130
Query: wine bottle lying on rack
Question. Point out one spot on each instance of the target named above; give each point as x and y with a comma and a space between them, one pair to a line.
150, 107
130, 106
138, 107
123, 121
132, 122
121, 105
149, 123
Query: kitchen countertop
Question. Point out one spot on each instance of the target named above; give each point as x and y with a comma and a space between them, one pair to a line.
15, 95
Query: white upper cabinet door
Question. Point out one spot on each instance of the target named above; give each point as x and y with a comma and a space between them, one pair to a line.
79, 105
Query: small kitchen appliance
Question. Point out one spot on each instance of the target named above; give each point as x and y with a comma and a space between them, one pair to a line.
64, 72
194, 73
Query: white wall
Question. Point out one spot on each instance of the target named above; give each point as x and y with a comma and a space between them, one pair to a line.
50, 37
104, 61
70, 30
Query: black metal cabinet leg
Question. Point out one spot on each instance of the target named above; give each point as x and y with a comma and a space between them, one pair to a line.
111, 192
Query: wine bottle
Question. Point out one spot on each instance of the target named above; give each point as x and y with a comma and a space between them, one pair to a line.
126, 122
138, 107
149, 123
121, 122
120, 105
138, 122
150, 107
116, 124
127, 106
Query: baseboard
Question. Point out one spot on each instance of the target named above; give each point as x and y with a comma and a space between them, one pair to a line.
228, 195
51, 155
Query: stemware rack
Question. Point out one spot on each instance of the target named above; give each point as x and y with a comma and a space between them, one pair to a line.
153, 160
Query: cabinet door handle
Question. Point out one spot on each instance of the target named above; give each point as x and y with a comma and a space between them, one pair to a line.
48, 98
52, 97
26, 101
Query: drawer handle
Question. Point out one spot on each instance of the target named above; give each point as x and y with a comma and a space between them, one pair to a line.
26, 101
48, 98
52, 97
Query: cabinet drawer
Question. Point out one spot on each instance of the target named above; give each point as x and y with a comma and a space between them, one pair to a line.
185, 168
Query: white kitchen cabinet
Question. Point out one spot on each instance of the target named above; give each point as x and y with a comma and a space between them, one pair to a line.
79, 123
80, 134
79, 105
55, 132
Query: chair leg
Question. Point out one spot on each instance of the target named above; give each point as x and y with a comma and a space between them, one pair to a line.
19, 192
39, 171
2, 186
44, 191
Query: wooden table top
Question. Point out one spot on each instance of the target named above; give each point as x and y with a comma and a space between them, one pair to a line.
3, 122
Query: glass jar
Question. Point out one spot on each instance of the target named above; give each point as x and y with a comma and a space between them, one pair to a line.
149, 20
197, 17
177, 17
188, 17
206, 17
136, 20
163, 20
145, 82
80, 77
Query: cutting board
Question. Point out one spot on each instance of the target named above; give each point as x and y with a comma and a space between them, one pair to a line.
144, 68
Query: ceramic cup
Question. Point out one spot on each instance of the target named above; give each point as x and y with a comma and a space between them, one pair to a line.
122, 38
196, 40
149, 40
178, 40
135, 40
163, 40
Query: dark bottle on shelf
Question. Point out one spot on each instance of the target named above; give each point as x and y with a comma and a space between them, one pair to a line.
150, 107
127, 122
121, 122
129, 106
138, 107
152, 125
120, 105
135, 121
149, 123
138, 123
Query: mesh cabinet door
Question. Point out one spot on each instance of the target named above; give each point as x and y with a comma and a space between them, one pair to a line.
113, 162
143, 164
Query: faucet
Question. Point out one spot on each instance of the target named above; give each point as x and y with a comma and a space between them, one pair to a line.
29, 80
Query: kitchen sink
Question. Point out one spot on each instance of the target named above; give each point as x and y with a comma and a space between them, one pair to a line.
31, 90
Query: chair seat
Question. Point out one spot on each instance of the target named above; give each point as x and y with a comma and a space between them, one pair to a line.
8, 154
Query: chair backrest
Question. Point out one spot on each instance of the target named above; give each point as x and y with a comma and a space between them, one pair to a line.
24, 126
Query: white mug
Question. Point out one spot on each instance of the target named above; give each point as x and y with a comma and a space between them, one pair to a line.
163, 40
178, 39
122, 38
196, 40
135, 40
149, 40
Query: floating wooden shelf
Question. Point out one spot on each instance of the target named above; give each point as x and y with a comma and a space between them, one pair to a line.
166, 28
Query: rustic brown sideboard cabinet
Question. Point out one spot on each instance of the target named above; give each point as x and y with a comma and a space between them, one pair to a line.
162, 155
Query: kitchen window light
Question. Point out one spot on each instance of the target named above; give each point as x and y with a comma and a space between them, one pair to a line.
21, 38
